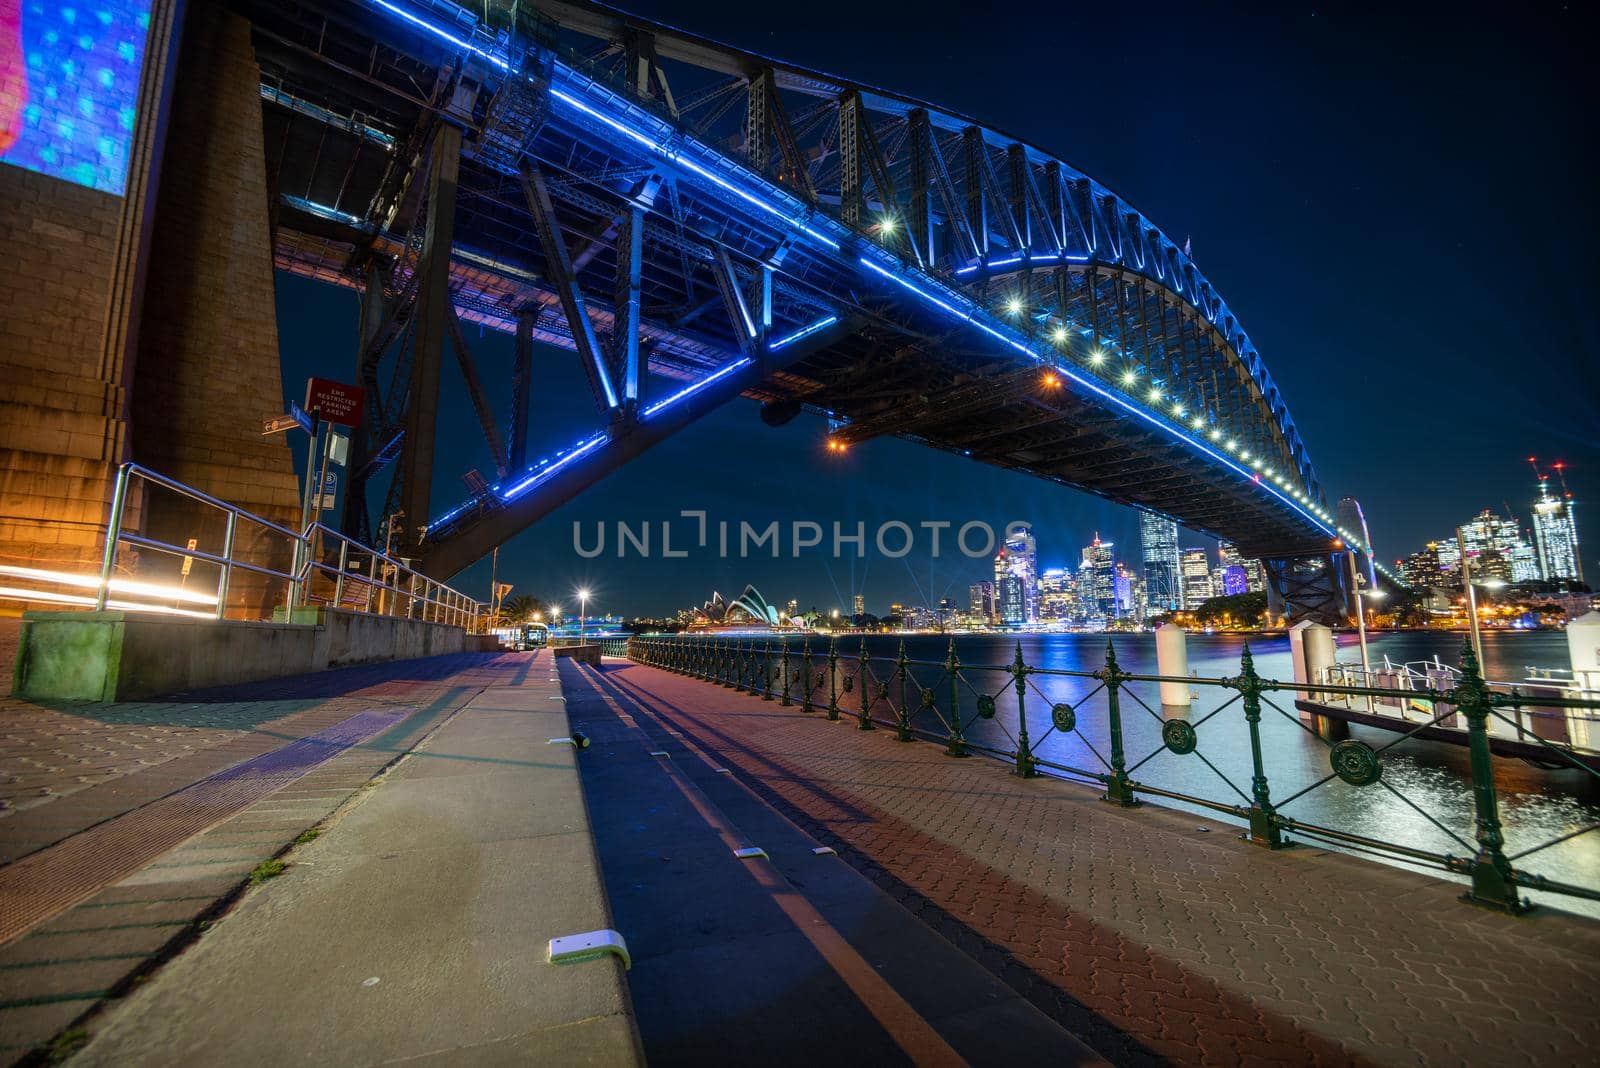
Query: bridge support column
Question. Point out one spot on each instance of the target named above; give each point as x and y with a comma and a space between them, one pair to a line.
434, 312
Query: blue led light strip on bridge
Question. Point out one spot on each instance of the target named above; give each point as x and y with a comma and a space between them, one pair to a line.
972, 317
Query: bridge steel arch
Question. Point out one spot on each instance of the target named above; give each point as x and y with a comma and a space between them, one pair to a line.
697, 222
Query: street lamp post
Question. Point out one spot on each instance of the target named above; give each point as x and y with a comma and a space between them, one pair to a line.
1472, 596
1361, 620
583, 607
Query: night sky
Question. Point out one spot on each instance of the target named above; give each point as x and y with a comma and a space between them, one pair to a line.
1399, 208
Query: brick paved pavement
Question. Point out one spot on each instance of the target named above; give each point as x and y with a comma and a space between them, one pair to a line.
1152, 934
87, 872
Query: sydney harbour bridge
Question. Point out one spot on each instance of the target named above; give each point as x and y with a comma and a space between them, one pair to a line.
697, 223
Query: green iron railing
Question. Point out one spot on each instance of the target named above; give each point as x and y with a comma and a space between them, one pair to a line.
941, 700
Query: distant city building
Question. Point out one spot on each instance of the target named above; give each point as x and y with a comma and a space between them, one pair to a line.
1018, 559
1555, 533
980, 601
1010, 601
1422, 569
1487, 533
944, 613
1255, 576
1158, 540
860, 605
1449, 561
792, 608
1129, 592
1234, 580
1195, 567
1096, 579
1057, 595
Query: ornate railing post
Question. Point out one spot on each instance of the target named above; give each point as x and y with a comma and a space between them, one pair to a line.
902, 719
738, 661
725, 662
864, 722
833, 678
1264, 830
1494, 883
783, 668
1119, 791
952, 666
766, 670
805, 675
1019, 672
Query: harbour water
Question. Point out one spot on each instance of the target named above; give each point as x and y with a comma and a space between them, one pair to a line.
1423, 799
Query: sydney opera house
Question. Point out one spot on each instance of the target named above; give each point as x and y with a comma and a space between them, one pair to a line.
749, 609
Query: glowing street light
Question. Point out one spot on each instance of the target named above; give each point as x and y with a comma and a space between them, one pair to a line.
1097, 357
1014, 306
1129, 377
1059, 335
583, 608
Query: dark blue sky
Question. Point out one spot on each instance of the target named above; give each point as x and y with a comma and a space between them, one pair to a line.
1400, 209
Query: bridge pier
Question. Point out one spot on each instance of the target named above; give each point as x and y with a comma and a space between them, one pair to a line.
1313, 588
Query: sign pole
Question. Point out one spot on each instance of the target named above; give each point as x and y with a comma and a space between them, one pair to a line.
305, 507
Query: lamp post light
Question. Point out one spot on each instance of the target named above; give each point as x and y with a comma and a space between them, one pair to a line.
583, 608
1472, 596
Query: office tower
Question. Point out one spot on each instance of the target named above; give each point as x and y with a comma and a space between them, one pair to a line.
1096, 579
980, 601
1018, 559
1056, 595
1555, 533
1422, 569
860, 605
1488, 533
1228, 556
1195, 567
1158, 538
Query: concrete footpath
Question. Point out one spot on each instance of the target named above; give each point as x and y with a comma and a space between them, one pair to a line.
1154, 935
415, 927
125, 828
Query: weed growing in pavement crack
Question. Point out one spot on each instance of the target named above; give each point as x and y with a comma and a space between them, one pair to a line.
267, 869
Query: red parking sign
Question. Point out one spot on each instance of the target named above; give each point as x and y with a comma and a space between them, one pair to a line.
336, 402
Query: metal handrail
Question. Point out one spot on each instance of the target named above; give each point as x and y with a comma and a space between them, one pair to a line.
865, 687
436, 601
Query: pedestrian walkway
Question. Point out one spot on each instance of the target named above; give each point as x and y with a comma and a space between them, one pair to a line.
752, 943
128, 826
416, 927
1151, 934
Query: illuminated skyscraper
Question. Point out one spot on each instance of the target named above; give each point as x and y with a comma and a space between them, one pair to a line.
860, 605
980, 601
1421, 569
1056, 599
1097, 592
1158, 539
1018, 559
1195, 565
1555, 532
1489, 533
1254, 576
